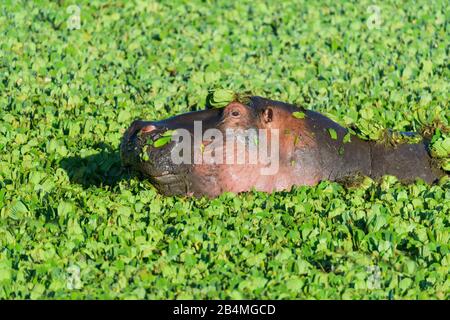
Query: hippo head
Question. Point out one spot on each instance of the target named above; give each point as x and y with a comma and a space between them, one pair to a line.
190, 153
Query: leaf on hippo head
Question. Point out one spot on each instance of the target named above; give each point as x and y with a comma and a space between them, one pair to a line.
347, 138
221, 97
332, 133
298, 114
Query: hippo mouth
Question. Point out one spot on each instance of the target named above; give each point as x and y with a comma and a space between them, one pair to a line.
139, 153
171, 183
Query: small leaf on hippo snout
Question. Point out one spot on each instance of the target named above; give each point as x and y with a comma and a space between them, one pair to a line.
332, 133
162, 141
298, 114
144, 154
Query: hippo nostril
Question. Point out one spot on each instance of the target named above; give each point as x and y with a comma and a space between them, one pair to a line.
138, 127
148, 128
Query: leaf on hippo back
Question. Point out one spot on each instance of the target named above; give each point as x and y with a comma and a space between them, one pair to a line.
411, 137
221, 97
332, 133
436, 136
298, 114
446, 165
441, 147
446, 144
347, 138
296, 140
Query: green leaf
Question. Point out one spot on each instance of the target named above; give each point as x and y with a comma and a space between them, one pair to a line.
222, 97
5, 272
162, 142
64, 208
124, 116
446, 165
144, 154
298, 114
332, 133
18, 209
295, 284
168, 133
347, 138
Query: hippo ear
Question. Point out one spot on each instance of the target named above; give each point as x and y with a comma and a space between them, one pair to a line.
268, 115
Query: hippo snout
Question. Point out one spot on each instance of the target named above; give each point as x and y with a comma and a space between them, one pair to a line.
141, 150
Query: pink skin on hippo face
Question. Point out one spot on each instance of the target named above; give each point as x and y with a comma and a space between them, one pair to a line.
300, 151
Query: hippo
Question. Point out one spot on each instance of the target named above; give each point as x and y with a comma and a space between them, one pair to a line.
263, 145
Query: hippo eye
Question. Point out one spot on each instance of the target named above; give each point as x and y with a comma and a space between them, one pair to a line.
235, 113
